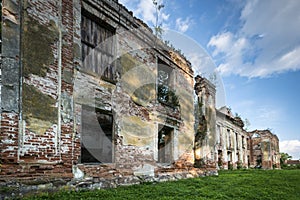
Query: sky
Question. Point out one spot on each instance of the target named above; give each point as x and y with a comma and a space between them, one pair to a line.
253, 48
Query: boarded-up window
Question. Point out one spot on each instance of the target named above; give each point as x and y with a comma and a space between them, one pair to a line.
98, 46
96, 137
165, 144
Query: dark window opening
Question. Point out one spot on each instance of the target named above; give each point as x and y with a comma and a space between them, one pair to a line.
258, 161
248, 158
258, 146
229, 162
166, 93
98, 47
237, 140
220, 159
96, 137
165, 144
243, 142
248, 143
229, 139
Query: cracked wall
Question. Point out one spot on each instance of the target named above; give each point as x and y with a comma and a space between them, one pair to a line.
45, 88
205, 137
264, 150
233, 150
35, 94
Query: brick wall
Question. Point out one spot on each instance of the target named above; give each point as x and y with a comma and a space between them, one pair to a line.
41, 122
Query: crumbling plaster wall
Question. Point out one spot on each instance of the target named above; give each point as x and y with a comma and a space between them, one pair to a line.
205, 137
44, 87
265, 149
133, 99
10, 81
37, 110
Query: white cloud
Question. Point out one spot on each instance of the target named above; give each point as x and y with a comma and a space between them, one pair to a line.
130, 4
183, 25
248, 9
146, 10
202, 63
229, 48
222, 42
268, 41
292, 147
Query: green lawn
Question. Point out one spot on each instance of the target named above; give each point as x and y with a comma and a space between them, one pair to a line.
240, 184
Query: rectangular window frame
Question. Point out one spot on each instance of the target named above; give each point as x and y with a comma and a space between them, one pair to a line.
102, 57
162, 158
166, 94
86, 133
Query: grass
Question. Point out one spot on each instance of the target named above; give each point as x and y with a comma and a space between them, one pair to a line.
239, 184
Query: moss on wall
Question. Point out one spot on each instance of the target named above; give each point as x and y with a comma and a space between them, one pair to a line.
144, 95
265, 150
137, 132
37, 105
138, 81
36, 44
127, 63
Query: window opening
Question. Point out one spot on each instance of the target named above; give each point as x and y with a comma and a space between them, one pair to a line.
255, 135
96, 138
165, 144
98, 47
166, 94
237, 140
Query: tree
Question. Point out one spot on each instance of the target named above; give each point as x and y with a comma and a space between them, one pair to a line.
157, 27
247, 124
284, 157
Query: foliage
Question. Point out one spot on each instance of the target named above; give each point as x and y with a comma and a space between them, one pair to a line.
244, 122
239, 165
247, 124
236, 184
201, 129
284, 157
291, 167
220, 163
158, 27
167, 96
238, 121
230, 166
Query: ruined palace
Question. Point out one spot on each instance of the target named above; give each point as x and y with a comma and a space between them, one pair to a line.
264, 149
90, 94
221, 139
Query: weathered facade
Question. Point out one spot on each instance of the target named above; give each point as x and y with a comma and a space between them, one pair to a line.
232, 145
205, 128
89, 93
264, 150
91, 97
222, 141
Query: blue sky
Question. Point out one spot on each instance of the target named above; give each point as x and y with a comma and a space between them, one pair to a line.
252, 45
